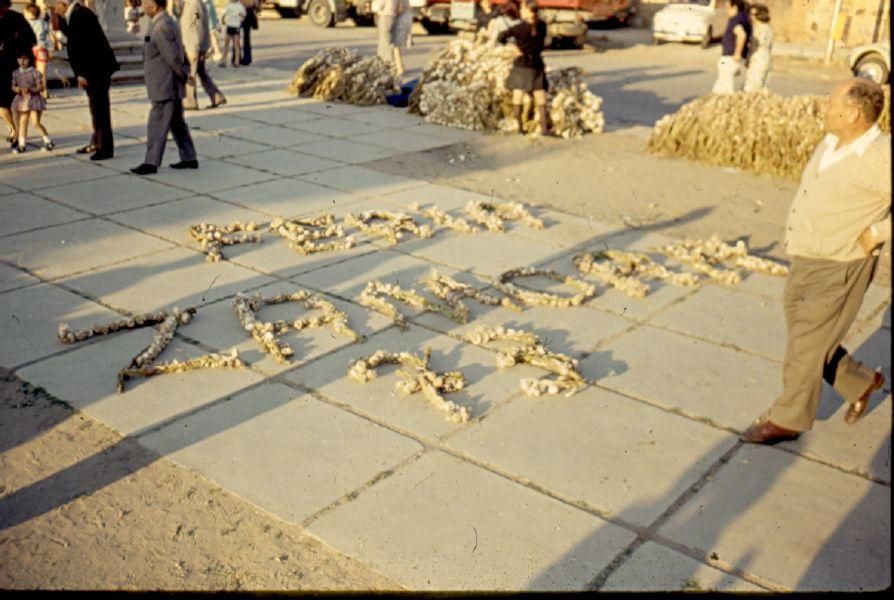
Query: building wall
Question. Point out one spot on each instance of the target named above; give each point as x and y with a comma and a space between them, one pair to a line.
809, 21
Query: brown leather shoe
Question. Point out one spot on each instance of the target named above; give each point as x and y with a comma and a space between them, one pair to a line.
765, 432
856, 410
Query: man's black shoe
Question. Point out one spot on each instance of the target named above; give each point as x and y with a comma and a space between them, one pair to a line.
185, 164
144, 169
101, 156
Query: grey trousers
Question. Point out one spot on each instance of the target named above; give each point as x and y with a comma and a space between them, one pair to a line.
821, 299
198, 71
168, 116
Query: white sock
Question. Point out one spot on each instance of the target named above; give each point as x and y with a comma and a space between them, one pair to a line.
21, 142
46, 139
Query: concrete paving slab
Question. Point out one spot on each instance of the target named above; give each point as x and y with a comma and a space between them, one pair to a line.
177, 277
223, 146
485, 253
31, 318
654, 568
876, 297
388, 117
289, 198
874, 350
23, 212
347, 279
636, 459
797, 523
360, 180
171, 220
74, 247
275, 257
12, 278
219, 328
5, 189
661, 295
725, 316
681, 373
242, 444
126, 156
450, 133
276, 136
769, 286
448, 199
486, 386
332, 109
93, 196
524, 539
283, 116
563, 231
572, 331
50, 171
211, 176
402, 140
336, 127
863, 448
285, 163
346, 151
213, 122
86, 379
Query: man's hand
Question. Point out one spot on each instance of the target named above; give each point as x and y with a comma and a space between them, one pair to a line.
82, 83
869, 240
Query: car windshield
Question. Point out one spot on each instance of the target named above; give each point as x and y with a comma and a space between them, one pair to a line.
699, 2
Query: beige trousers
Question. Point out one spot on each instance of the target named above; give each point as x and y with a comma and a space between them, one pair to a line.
822, 298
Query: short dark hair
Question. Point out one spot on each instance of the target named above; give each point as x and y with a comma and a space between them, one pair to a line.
867, 96
510, 9
761, 12
162, 3
739, 4
33, 9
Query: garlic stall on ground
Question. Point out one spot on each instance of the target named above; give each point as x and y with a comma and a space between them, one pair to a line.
342, 75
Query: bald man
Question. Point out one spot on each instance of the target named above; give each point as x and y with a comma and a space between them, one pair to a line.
840, 217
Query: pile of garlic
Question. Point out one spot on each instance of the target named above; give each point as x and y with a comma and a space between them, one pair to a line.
371, 297
439, 217
266, 334
755, 131
625, 271
418, 378
342, 75
704, 256
387, 224
452, 293
464, 86
228, 360
493, 214
532, 298
303, 235
211, 237
525, 347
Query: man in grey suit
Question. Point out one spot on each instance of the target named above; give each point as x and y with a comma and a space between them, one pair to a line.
196, 36
166, 71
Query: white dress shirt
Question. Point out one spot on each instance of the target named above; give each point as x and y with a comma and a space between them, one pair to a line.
831, 155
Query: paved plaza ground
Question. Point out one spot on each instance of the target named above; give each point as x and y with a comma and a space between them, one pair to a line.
637, 482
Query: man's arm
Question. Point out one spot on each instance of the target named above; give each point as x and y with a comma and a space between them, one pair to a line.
166, 42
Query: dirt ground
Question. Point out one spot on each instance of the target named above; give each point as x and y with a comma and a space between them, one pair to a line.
82, 509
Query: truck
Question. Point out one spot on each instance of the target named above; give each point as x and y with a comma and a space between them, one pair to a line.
325, 13
566, 20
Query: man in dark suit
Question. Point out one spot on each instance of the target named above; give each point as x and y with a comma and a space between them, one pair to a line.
93, 62
166, 71
16, 37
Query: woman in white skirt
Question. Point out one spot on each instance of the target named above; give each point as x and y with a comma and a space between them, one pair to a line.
759, 61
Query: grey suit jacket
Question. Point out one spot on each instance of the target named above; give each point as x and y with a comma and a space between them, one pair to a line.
164, 64
194, 27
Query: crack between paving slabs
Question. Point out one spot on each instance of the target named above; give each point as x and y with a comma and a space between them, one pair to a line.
649, 533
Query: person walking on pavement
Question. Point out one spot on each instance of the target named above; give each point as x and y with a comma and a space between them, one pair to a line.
248, 23
839, 218
214, 27
93, 62
16, 36
232, 19
735, 48
166, 72
196, 34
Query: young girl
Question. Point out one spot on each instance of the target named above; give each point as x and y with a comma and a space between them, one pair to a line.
759, 61
232, 19
41, 49
132, 16
27, 83
528, 72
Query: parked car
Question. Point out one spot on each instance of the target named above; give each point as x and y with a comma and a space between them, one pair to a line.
690, 21
872, 61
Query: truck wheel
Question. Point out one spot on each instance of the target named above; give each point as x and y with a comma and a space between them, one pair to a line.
320, 14
287, 13
709, 37
434, 28
872, 67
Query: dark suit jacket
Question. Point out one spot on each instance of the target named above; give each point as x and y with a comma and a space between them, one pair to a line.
89, 51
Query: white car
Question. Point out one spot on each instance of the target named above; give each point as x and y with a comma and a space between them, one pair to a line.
690, 21
872, 61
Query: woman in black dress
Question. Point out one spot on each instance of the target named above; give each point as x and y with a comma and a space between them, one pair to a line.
528, 72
